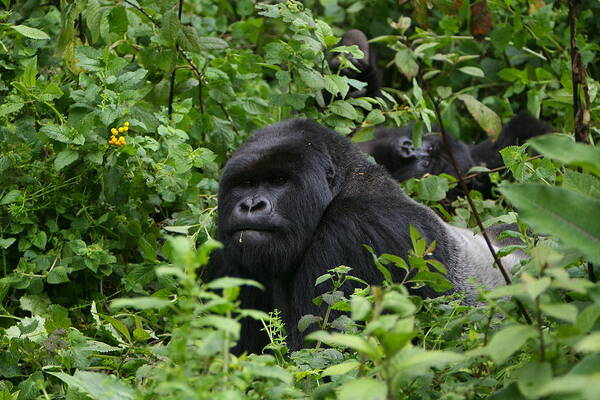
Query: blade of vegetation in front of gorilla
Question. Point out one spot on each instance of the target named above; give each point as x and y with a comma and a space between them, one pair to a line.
543, 207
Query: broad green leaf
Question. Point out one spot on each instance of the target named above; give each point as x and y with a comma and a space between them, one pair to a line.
97, 385
350, 341
563, 149
30, 32
140, 303
406, 63
532, 377
307, 320
312, 79
487, 119
5, 243
64, 158
589, 344
363, 388
344, 109
507, 341
342, 368
57, 275
566, 312
543, 207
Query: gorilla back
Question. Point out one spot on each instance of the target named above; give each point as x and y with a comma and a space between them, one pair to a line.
298, 199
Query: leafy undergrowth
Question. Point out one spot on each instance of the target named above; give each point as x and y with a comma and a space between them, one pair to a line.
103, 241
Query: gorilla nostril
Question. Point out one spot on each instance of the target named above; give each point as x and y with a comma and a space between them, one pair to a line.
252, 205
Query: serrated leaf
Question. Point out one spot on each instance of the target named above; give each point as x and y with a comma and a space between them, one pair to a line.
543, 207
30, 32
350, 341
64, 158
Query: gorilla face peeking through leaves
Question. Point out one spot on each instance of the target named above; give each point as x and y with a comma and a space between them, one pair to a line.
298, 199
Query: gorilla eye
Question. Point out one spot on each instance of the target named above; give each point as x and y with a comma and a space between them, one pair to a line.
429, 149
246, 182
279, 180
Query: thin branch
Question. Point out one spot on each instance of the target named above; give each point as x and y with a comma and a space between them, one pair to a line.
465, 190
581, 113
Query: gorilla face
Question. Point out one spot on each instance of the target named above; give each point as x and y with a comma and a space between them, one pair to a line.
394, 149
270, 205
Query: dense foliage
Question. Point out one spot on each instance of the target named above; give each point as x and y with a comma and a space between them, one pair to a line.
102, 240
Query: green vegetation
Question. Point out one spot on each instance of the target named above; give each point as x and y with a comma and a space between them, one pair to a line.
103, 241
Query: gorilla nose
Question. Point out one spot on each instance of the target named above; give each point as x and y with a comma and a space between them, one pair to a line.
254, 206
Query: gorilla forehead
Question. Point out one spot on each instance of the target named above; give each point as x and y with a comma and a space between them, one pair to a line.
282, 144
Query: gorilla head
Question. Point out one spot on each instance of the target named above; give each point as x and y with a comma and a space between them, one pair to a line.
273, 193
298, 199
393, 149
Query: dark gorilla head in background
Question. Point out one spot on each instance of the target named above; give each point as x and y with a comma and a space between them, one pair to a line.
393, 148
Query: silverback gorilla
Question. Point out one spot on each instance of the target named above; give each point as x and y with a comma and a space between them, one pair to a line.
298, 199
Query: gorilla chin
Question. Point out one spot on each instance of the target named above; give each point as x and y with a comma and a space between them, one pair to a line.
297, 199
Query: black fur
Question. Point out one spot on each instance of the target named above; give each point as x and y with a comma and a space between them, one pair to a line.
393, 149
298, 199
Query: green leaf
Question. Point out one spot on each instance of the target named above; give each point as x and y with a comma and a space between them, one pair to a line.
30, 32
363, 388
170, 26
11, 197
118, 325
96, 385
350, 341
361, 307
311, 78
342, 368
589, 344
532, 377
140, 303
344, 109
64, 158
566, 312
5, 243
487, 119
473, 71
307, 320
507, 341
543, 207
406, 63
57, 275
563, 149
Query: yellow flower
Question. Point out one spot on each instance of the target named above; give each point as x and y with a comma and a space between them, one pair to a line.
125, 128
121, 129
114, 131
122, 140
126, 124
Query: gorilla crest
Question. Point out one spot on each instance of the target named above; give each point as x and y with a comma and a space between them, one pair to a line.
298, 199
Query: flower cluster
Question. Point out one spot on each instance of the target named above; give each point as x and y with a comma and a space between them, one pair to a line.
115, 139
